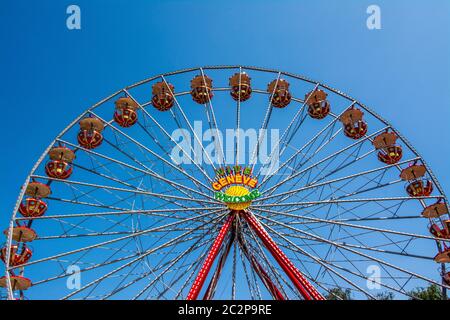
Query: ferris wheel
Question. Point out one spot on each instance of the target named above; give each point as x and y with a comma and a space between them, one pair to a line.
227, 182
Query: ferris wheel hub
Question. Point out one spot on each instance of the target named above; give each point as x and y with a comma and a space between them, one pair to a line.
238, 191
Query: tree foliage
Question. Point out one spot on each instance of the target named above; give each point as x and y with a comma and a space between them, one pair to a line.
433, 292
385, 296
339, 294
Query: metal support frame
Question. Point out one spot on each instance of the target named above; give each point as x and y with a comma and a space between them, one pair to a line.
251, 220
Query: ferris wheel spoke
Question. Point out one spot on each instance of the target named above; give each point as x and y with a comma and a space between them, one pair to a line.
238, 119
175, 280
310, 179
180, 109
169, 286
316, 185
95, 266
267, 116
148, 115
333, 222
308, 144
259, 251
121, 182
150, 212
142, 256
318, 260
77, 194
159, 177
387, 264
86, 219
298, 173
332, 198
372, 216
105, 217
145, 169
295, 166
84, 203
97, 234
209, 109
172, 242
285, 166
327, 263
191, 267
156, 195
344, 164
163, 161
333, 201
375, 248
167, 265
280, 280
359, 191
92, 267
104, 243
374, 281
342, 199
365, 278
288, 129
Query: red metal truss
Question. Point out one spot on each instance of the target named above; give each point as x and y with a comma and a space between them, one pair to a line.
301, 283
212, 254
212, 285
276, 293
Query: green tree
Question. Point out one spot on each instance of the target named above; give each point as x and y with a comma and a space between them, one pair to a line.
385, 296
433, 292
338, 293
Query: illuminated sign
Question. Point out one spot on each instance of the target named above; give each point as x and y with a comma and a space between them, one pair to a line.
239, 187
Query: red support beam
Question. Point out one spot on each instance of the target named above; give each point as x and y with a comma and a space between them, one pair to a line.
212, 254
212, 285
276, 293
301, 283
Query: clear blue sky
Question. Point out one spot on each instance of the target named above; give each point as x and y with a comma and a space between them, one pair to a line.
51, 74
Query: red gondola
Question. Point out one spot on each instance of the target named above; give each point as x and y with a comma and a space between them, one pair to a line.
162, 98
354, 125
32, 208
241, 89
125, 114
439, 232
435, 210
90, 136
417, 185
318, 105
446, 278
420, 188
60, 164
58, 169
389, 152
17, 283
279, 93
22, 234
17, 256
443, 256
201, 89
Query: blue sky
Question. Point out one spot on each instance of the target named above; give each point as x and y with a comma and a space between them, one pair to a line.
51, 74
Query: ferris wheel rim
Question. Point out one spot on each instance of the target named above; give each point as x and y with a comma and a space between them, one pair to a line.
162, 76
